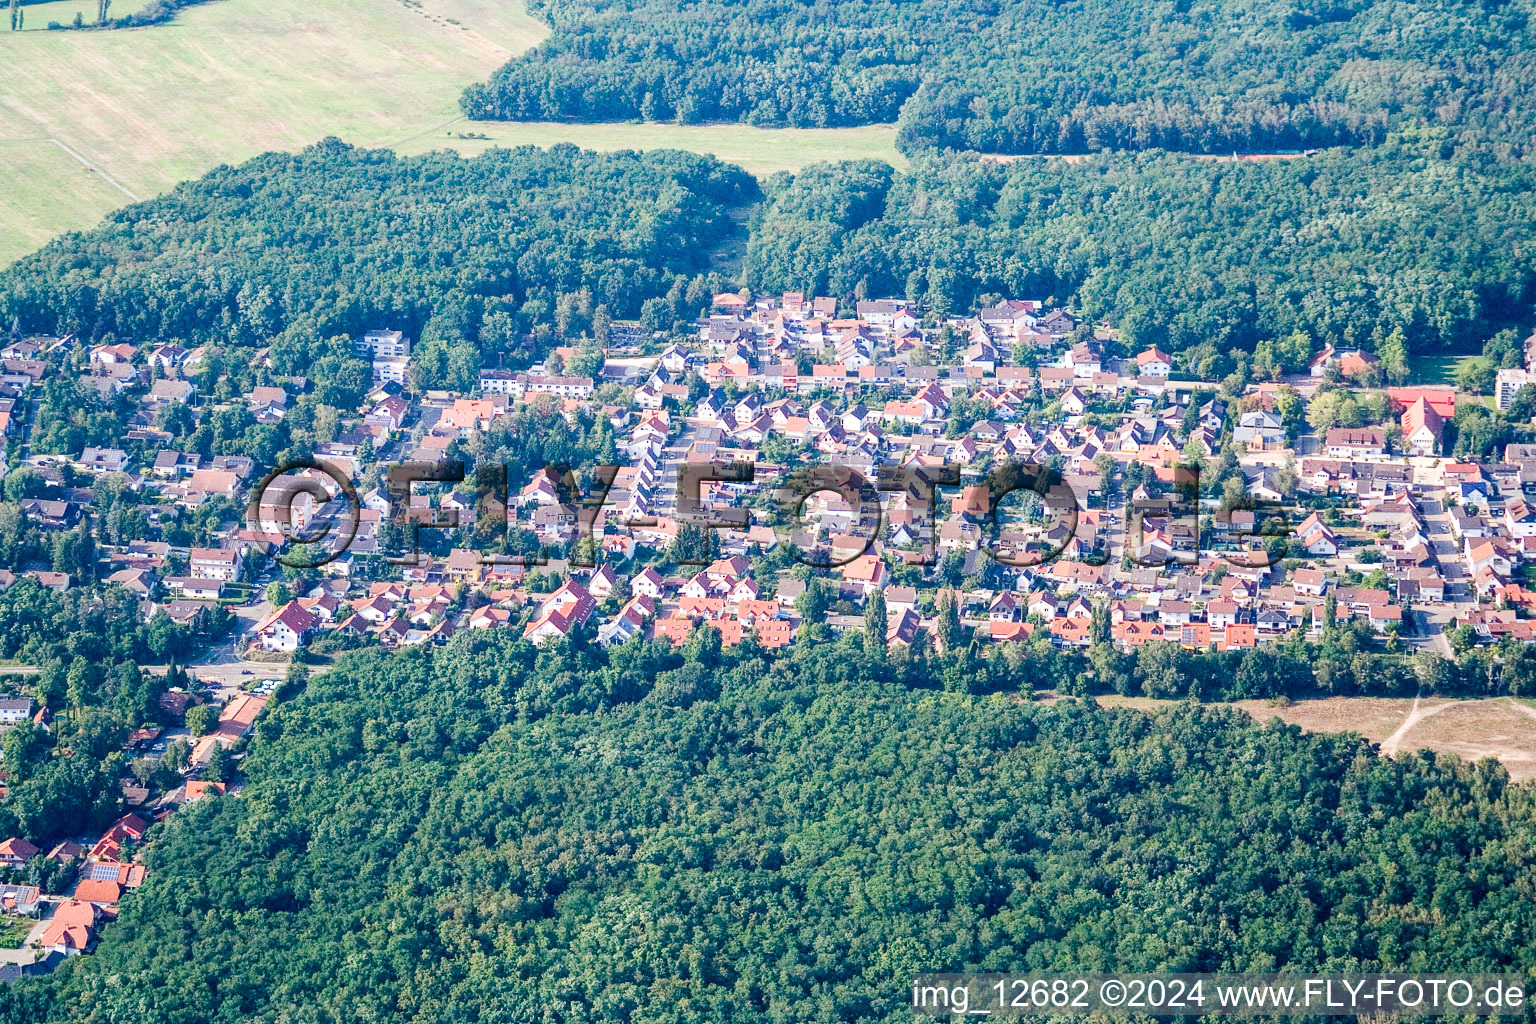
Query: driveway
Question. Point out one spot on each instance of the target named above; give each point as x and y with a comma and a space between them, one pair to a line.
28, 952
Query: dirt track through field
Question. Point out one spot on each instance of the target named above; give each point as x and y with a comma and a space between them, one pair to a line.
1392, 744
1497, 727
78, 158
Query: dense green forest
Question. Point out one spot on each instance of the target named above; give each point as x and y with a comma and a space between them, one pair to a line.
1037, 76
1190, 255
490, 833
295, 250
493, 259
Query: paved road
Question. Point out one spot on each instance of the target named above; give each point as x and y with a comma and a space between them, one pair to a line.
221, 669
1428, 626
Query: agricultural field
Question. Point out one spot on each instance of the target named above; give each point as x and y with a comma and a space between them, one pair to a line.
44, 183
142, 109
152, 106
1502, 728
37, 17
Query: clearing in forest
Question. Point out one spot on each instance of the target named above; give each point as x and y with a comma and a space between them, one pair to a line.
1502, 728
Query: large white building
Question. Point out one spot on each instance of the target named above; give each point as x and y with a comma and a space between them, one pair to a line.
384, 345
565, 387
1508, 383
391, 355
214, 564
286, 628
500, 382
391, 369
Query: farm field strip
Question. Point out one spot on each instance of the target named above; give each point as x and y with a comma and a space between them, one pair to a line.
147, 108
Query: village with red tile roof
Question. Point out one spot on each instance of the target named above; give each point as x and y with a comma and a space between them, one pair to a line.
1033, 469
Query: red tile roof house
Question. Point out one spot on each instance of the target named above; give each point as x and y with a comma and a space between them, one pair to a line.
1423, 428
1154, 362
286, 628
124, 876
100, 893
1344, 442
215, 564
197, 790
1384, 615
238, 716
567, 608
675, 628
1316, 537
72, 928
1221, 613
14, 853
490, 618
235, 722
67, 852
866, 572
110, 846
1309, 581
727, 568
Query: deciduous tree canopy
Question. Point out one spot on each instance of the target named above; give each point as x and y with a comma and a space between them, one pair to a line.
1033, 76
1174, 252
490, 833
291, 249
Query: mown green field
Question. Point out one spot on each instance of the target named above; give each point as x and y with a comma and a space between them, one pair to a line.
149, 107
1441, 371
43, 186
762, 151
1432, 370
